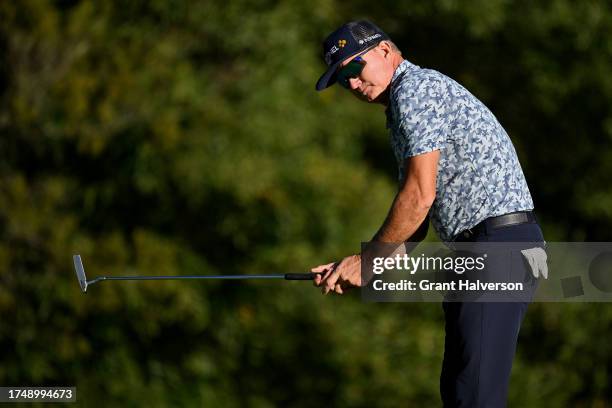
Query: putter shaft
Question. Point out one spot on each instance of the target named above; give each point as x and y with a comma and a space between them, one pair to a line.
179, 277
84, 283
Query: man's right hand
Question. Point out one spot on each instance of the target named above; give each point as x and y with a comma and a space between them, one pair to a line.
321, 271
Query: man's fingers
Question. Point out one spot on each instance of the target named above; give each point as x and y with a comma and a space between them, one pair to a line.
329, 272
322, 268
321, 272
331, 280
340, 276
320, 277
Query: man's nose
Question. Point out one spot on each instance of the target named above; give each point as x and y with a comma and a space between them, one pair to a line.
354, 83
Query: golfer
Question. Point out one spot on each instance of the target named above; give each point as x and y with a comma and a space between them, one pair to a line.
457, 168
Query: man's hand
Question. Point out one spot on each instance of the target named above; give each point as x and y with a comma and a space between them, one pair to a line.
339, 276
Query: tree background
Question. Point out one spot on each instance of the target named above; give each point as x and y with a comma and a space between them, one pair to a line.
177, 137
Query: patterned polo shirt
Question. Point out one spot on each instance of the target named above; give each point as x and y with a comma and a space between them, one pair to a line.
479, 175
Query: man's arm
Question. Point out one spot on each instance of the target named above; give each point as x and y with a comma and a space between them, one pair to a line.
404, 221
413, 200
421, 232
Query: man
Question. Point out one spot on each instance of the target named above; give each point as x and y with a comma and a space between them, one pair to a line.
458, 167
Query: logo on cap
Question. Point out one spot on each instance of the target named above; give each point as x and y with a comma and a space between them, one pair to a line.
370, 38
341, 43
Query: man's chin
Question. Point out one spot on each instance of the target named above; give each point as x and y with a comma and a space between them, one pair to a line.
361, 97
382, 97
368, 98
377, 99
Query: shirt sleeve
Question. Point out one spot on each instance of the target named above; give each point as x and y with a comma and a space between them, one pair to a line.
424, 116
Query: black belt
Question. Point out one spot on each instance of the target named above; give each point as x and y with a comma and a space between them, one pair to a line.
506, 220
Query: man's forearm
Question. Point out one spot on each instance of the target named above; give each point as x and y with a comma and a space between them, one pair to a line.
407, 220
404, 219
407, 216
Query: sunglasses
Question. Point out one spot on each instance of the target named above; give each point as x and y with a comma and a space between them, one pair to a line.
351, 70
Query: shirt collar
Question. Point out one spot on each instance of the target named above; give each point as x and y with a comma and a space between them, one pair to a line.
403, 68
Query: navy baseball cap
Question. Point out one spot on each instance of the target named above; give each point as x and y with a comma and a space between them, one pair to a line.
350, 39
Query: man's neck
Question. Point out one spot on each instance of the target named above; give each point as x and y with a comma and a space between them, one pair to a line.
383, 98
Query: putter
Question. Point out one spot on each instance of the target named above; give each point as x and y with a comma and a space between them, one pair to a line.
84, 283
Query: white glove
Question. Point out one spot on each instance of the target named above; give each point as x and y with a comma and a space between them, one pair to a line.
537, 260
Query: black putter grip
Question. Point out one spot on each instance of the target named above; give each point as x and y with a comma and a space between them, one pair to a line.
300, 276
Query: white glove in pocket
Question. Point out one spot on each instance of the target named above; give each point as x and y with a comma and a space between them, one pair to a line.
537, 261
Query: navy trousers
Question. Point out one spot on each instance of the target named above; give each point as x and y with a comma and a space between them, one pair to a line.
481, 338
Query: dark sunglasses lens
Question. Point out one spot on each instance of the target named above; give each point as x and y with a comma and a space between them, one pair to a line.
351, 70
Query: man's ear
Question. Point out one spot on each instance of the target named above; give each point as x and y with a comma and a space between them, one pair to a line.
385, 47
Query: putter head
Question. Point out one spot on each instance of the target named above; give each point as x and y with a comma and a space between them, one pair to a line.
80, 272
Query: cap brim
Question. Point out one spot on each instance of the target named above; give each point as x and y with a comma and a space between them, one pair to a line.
328, 78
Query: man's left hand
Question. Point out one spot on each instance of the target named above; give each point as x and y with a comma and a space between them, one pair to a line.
339, 276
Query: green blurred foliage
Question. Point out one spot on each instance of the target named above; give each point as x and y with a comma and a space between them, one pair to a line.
180, 137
